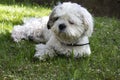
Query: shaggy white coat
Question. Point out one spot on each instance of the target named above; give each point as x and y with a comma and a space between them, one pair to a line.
79, 26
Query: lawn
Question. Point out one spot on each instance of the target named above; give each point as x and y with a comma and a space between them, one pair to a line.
16, 59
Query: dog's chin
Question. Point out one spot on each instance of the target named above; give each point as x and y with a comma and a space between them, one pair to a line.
66, 38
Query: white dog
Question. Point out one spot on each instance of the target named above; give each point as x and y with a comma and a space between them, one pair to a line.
66, 31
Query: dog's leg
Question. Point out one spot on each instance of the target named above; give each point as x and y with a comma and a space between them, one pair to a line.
43, 52
46, 51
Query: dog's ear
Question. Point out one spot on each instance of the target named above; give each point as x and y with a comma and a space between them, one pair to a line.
49, 23
51, 19
87, 21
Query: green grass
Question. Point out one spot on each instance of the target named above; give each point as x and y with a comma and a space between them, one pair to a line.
16, 59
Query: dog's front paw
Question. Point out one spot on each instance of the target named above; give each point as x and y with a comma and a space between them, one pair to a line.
44, 52
41, 56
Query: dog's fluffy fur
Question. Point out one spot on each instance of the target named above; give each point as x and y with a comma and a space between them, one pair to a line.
68, 24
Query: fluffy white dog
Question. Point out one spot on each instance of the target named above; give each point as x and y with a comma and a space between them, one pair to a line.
65, 31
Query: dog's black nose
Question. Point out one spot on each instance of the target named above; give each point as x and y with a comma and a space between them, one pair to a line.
62, 26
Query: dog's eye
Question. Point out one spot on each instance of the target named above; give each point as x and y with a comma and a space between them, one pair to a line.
71, 22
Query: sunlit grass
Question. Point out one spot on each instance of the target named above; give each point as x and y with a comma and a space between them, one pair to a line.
13, 14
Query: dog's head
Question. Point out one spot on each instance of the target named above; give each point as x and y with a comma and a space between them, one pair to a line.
69, 21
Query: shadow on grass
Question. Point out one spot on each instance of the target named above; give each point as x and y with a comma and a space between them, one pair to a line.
9, 49
5, 36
